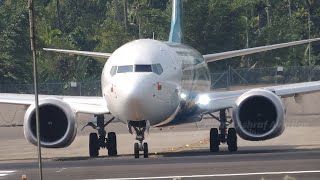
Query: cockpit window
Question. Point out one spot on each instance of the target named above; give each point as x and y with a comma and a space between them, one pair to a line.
113, 70
156, 68
143, 68
125, 69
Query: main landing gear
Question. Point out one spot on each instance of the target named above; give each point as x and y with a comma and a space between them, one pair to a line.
140, 127
223, 135
96, 142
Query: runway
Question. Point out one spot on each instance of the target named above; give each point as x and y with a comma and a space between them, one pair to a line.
293, 155
178, 153
175, 153
246, 164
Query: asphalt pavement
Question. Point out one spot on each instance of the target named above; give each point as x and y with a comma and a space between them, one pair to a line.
247, 164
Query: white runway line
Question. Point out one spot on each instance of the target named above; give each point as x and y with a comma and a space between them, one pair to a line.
5, 173
60, 170
216, 175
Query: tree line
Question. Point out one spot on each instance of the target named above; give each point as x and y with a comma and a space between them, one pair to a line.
104, 25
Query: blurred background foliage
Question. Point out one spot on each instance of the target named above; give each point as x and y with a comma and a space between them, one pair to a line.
104, 25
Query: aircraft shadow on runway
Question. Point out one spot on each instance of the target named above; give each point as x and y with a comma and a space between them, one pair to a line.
246, 150
255, 150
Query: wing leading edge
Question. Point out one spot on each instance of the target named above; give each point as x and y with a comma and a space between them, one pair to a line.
224, 100
242, 52
82, 53
80, 104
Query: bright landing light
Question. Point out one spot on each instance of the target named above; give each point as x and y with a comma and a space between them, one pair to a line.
204, 99
183, 96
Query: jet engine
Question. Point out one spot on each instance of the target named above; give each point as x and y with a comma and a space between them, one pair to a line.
58, 126
259, 115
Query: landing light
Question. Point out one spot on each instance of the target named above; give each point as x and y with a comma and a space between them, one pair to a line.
183, 95
204, 100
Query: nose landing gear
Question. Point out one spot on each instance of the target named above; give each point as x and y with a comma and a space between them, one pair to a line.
223, 134
96, 142
140, 127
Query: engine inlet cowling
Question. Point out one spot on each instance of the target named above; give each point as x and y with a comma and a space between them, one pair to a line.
57, 123
259, 115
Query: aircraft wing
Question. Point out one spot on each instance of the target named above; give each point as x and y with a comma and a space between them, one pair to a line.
80, 104
242, 52
82, 53
215, 101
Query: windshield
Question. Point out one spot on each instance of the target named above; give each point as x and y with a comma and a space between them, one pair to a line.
139, 68
125, 69
143, 68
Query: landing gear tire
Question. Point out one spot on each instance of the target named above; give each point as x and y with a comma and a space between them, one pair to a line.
93, 145
232, 140
136, 150
140, 127
112, 144
214, 140
96, 142
145, 150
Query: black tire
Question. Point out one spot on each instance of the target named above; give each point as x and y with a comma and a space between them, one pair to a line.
93, 145
136, 150
214, 140
145, 150
232, 140
112, 144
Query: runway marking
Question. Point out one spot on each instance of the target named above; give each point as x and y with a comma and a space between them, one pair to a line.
5, 173
60, 170
188, 146
216, 175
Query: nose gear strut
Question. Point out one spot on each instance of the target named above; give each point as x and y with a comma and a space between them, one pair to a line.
95, 142
140, 127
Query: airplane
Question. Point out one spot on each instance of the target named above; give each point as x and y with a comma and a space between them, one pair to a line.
149, 83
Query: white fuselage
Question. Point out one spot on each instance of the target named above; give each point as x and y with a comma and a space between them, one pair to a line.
148, 79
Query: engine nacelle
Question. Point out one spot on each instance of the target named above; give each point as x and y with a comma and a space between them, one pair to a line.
259, 115
58, 126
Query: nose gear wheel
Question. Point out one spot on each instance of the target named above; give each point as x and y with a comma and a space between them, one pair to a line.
140, 128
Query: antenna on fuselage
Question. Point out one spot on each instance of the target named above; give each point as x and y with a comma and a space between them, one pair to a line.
176, 34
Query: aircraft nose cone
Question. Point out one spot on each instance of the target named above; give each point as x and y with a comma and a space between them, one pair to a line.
135, 89
135, 97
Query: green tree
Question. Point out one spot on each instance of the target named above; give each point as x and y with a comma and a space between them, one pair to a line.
15, 64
